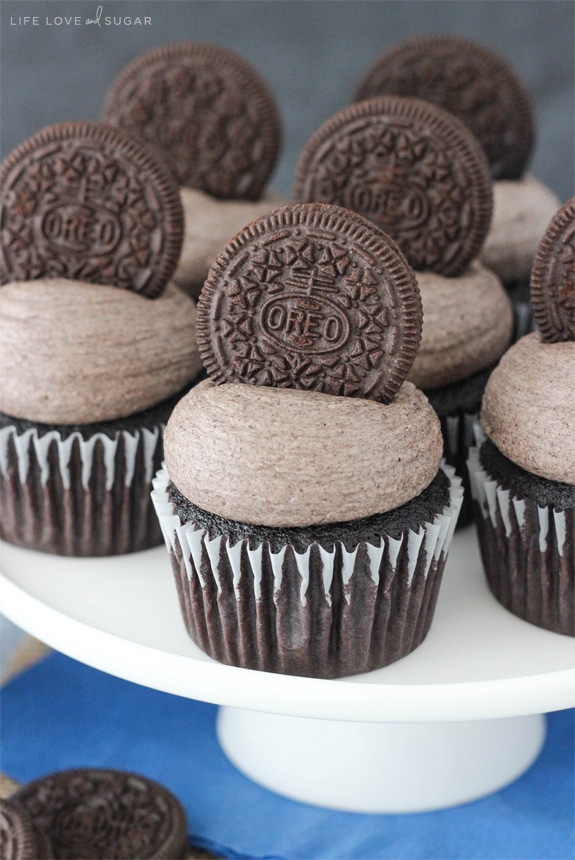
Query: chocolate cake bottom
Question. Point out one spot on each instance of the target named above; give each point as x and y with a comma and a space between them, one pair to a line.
323, 602
82, 490
526, 531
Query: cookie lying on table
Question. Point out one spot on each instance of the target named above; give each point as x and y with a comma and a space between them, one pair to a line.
92, 813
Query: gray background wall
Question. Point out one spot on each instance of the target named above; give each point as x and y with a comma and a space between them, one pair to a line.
312, 53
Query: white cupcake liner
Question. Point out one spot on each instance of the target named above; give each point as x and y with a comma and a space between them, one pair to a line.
527, 551
318, 613
31, 444
76, 496
457, 431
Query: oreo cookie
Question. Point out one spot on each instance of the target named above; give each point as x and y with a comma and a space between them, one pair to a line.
412, 169
111, 814
206, 111
314, 297
471, 82
20, 838
89, 202
553, 278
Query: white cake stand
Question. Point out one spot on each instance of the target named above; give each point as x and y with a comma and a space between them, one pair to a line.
457, 719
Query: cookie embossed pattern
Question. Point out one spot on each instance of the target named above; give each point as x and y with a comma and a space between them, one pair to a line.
309, 298
479, 87
215, 124
410, 168
85, 201
417, 172
20, 837
553, 278
206, 111
97, 812
471, 82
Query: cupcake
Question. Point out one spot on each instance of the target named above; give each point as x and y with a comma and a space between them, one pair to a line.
480, 88
418, 173
213, 121
523, 472
96, 345
303, 500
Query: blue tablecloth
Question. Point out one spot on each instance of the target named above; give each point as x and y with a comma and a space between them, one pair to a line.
61, 714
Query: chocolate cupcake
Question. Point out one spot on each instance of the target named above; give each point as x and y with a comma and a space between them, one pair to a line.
480, 88
96, 346
417, 172
303, 502
214, 123
523, 472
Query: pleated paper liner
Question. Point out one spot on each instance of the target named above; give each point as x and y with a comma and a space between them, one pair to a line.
519, 295
527, 552
79, 497
321, 613
457, 431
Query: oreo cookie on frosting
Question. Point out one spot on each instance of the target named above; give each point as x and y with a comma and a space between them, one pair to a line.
523, 473
103, 813
208, 114
87, 201
312, 297
411, 168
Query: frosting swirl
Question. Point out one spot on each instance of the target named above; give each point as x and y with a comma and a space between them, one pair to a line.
74, 353
286, 457
467, 325
208, 225
528, 408
522, 209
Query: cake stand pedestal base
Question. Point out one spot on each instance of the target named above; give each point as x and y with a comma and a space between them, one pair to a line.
379, 767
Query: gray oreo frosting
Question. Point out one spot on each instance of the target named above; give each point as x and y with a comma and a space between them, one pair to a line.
73, 352
528, 409
306, 457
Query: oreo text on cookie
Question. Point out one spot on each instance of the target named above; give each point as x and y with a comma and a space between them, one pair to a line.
87, 201
315, 297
